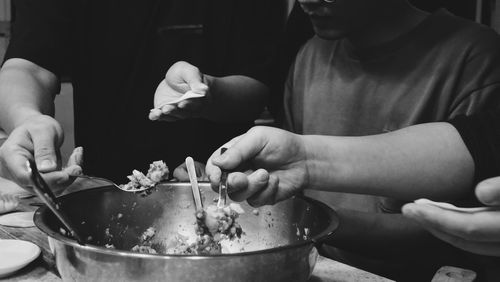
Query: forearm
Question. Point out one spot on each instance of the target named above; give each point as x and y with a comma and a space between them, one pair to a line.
25, 90
427, 160
384, 236
235, 98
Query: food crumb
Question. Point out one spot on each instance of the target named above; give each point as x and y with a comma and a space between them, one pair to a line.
109, 246
62, 231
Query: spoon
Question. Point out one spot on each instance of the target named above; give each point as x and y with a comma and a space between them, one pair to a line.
222, 185
112, 183
194, 183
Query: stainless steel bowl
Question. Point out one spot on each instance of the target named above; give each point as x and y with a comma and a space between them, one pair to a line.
278, 243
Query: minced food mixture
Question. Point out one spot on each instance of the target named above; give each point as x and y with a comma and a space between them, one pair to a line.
157, 172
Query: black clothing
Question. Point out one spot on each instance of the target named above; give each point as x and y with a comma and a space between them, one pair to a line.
481, 134
116, 53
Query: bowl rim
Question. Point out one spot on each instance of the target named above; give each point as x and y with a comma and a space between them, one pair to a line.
317, 239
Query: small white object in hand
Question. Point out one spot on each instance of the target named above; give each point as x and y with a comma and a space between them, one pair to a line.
451, 207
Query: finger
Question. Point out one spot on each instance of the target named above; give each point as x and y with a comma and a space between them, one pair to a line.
256, 182
178, 114
14, 159
488, 191
154, 114
243, 150
45, 151
76, 157
194, 79
212, 171
477, 226
266, 196
481, 248
191, 105
180, 173
167, 109
59, 180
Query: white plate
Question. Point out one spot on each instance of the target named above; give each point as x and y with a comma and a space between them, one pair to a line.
18, 219
16, 254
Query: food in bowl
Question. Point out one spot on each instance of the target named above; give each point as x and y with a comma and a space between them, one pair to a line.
213, 225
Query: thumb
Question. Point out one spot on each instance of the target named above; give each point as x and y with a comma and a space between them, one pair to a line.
45, 151
488, 191
194, 79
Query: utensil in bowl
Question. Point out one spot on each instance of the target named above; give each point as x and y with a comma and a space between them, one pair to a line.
222, 185
194, 183
142, 189
43, 192
278, 244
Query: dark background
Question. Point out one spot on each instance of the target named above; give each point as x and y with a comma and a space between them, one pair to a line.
463, 8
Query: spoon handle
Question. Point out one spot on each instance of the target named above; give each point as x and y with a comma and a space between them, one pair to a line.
194, 183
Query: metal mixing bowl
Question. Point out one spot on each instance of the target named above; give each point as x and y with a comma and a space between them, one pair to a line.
277, 244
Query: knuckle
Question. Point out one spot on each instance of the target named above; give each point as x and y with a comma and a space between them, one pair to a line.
44, 152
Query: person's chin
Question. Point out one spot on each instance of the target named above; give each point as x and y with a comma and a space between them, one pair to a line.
329, 34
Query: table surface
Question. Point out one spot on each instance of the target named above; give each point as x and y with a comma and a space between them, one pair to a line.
43, 269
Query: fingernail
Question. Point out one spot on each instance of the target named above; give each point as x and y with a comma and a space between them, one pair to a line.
46, 164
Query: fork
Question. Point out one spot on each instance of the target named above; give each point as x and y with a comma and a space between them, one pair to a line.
222, 185
112, 183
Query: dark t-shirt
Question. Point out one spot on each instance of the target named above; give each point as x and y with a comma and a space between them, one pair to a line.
116, 53
481, 134
444, 67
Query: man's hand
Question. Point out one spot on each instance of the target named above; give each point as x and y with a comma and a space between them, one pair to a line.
180, 78
272, 164
39, 138
476, 232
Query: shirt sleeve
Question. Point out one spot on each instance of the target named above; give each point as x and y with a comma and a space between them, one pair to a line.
41, 34
479, 85
481, 135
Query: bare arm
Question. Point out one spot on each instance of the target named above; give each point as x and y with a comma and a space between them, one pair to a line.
428, 160
236, 97
26, 90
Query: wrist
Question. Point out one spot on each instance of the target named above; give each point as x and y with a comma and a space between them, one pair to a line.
327, 162
209, 99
